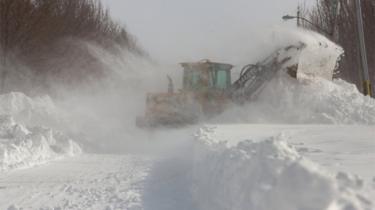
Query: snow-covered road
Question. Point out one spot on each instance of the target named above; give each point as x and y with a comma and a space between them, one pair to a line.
83, 182
99, 181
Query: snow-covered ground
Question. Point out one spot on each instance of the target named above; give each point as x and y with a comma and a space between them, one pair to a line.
157, 180
288, 166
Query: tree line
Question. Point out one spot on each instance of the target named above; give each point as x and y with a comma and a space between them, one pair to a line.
339, 18
43, 35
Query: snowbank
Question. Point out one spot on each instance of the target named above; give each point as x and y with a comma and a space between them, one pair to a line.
266, 175
309, 100
22, 146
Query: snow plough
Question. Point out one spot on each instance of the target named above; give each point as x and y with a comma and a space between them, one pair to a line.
207, 89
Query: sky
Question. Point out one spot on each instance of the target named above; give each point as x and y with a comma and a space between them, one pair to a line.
187, 30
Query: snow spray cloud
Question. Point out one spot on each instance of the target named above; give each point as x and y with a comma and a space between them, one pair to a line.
103, 115
310, 99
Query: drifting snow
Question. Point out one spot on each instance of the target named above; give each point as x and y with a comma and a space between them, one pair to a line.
266, 175
22, 146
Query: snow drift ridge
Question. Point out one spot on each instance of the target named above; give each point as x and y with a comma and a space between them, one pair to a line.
266, 175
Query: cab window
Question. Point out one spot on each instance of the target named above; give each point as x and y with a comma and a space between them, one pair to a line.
221, 79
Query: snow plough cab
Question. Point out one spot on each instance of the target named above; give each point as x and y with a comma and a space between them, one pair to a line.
203, 95
207, 89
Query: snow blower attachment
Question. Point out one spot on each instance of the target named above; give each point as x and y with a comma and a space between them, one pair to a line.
207, 89
254, 76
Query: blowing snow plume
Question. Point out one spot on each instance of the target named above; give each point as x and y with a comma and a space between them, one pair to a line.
313, 97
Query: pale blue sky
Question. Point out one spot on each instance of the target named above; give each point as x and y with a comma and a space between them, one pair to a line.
173, 30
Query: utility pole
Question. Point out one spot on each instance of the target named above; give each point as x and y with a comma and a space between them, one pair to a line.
363, 53
298, 16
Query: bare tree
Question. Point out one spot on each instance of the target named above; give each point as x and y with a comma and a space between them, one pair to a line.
36, 32
342, 21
